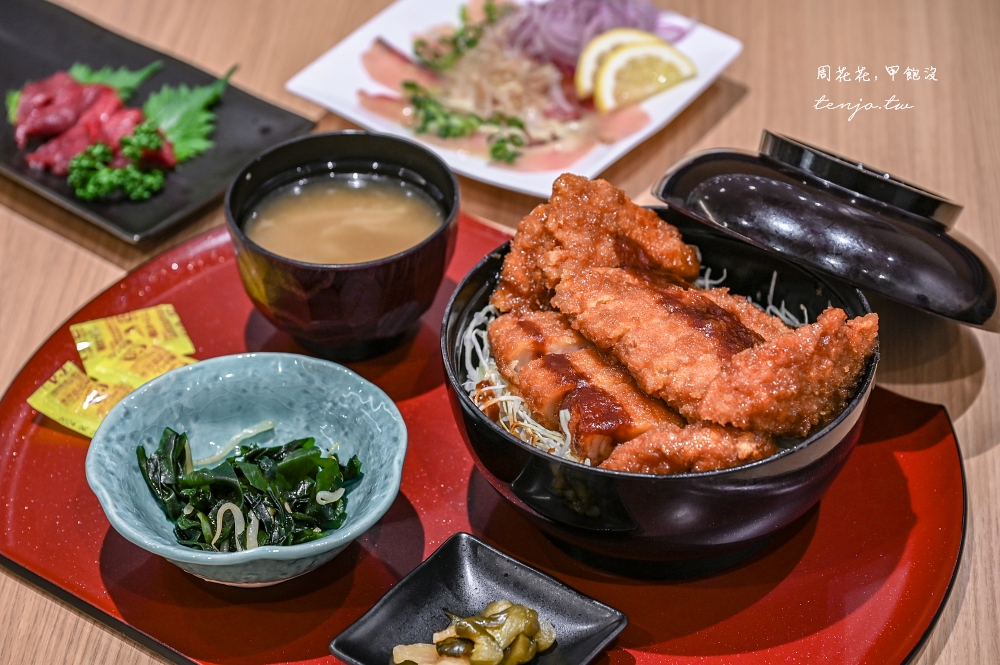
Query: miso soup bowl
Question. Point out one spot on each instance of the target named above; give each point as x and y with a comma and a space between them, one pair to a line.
355, 310
655, 518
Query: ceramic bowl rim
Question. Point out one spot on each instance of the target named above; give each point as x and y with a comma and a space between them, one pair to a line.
446, 222
858, 400
378, 506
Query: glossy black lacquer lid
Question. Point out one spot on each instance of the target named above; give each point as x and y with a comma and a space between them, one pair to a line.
840, 217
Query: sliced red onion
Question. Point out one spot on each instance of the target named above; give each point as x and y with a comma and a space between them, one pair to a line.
557, 31
672, 28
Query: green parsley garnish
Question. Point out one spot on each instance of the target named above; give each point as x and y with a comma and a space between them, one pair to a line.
92, 178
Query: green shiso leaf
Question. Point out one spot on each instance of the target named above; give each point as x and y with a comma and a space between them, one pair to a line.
182, 115
125, 81
13, 100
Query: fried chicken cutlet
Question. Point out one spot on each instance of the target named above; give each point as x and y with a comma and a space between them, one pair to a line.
553, 368
693, 448
520, 337
586, 223
605, 406
712, 358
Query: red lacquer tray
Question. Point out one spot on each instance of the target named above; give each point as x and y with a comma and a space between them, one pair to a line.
859, 579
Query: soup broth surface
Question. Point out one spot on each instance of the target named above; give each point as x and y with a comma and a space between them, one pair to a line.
343, 218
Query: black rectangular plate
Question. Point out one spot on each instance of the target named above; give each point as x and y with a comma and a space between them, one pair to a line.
462, 576
38, 39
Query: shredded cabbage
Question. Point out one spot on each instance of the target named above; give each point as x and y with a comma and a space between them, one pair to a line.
486, 386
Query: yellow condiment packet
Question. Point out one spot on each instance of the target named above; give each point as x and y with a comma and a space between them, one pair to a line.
134, 364
101, 339
72, 399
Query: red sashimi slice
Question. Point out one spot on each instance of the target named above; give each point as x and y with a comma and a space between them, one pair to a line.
56, 153
49, 107
120, 123
104, 106
621, 122
38, 94
390, 67
389, 107
555, 157
164, 158
123, 123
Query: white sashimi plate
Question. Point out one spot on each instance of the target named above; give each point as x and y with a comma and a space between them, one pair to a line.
336, 77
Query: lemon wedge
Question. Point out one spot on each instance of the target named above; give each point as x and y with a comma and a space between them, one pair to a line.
634, 72
596, 51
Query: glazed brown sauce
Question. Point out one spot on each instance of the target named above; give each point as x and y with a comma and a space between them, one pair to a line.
533, 333
593, 409
596, 412
482, 397
721, 327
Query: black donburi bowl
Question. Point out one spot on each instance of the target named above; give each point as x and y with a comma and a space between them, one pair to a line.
663, 517
355, 310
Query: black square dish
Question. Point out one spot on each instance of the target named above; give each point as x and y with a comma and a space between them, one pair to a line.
37, 39
463, 576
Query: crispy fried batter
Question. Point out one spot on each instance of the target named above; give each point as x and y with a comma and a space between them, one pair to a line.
767, 326
796, 381
586, 223
673, 340
694, 350
604, 404
700, 447
621, 276
520, 337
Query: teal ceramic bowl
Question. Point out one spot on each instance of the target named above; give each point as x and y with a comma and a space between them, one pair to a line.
214, 399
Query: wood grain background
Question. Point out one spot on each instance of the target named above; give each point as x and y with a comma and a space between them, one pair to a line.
51, 262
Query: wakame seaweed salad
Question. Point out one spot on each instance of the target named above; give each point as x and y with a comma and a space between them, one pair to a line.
279, 495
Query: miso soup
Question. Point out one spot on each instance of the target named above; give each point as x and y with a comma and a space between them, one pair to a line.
343, 219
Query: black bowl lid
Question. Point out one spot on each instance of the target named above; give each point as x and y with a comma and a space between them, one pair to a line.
853, 222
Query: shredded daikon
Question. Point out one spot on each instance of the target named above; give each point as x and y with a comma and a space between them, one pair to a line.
230, 445
238, 522
252, 531
323, 498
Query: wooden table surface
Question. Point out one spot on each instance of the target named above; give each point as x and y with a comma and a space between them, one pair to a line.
949, 141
